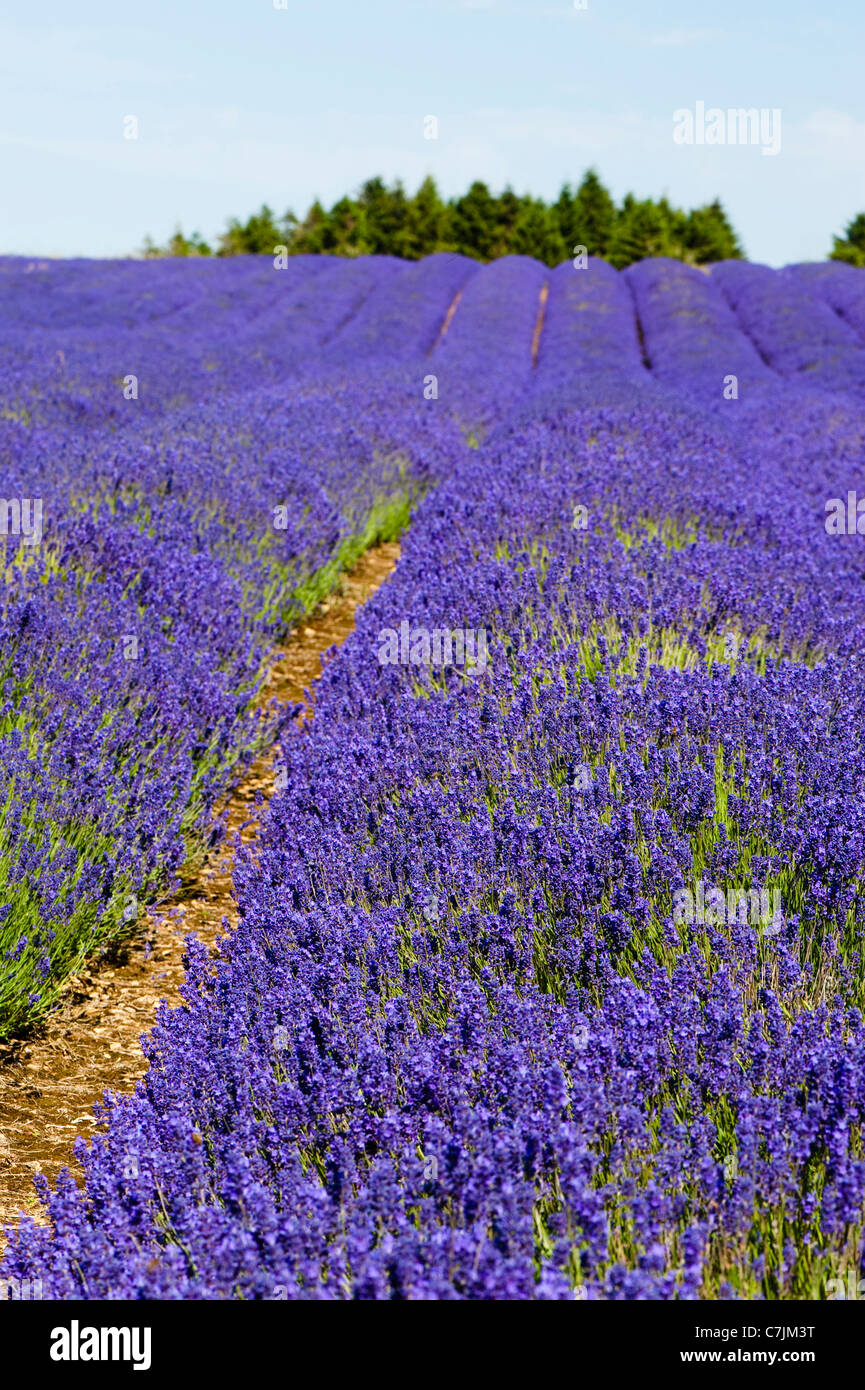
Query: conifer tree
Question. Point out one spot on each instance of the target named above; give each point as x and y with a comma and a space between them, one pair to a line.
473, 222
537, 234
385, 217
850, 247
426, 227
593, 217
642, 229
708, 236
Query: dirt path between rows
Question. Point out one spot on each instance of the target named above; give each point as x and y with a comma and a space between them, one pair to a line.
448, 319
539, 323
50, 1082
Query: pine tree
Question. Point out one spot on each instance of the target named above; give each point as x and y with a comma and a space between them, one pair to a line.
563, 211
509, 208
642, 229
342, 230
851, 247
310, 235
178, 245
593, 217
385, 217
258, 236
473, 222
537, 234
426, 227
708, 236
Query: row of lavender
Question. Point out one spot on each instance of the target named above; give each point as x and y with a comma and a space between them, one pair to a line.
505, 1015
158, 536
74, 332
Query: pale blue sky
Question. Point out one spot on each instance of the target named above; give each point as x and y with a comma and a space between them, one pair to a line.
239, 103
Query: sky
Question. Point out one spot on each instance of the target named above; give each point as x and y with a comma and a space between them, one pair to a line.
238, 102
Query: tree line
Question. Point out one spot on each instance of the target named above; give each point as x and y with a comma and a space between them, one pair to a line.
385, 220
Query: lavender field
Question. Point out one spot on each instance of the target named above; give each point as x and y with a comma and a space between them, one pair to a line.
548, 980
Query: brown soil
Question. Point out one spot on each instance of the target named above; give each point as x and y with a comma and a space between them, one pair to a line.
454, 305
539, 323
50, 1081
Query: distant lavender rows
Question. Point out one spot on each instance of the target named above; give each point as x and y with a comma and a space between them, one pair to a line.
72, 331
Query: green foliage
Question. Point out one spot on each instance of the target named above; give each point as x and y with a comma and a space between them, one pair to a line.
642, 228
537, 234
586, 218
851, 247
473, 223
178, 245
381, 220
385, 217
646, 228
259, 236
706, 235
428, 223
